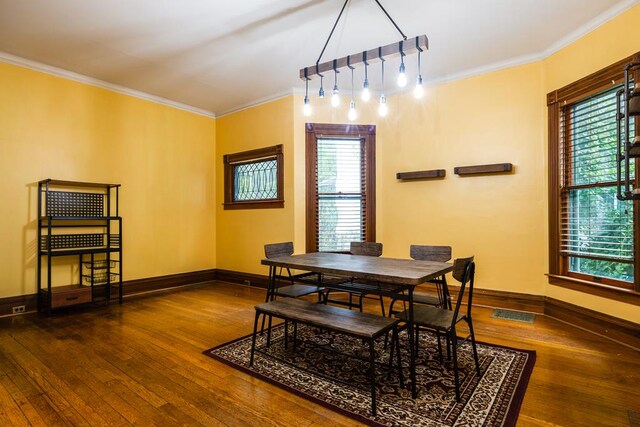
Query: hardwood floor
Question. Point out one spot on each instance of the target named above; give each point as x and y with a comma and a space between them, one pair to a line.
142, 363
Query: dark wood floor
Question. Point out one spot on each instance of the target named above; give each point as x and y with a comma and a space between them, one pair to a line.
141, 363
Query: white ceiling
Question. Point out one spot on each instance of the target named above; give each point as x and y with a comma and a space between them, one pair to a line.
219, 56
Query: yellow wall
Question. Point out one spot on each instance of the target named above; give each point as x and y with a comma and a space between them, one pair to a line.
241, 234
496, 218
163, 157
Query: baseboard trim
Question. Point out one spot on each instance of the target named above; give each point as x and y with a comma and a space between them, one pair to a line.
247, 279
131, 288
610, 327
604, 325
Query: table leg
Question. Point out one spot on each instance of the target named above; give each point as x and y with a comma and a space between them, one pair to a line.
412, 353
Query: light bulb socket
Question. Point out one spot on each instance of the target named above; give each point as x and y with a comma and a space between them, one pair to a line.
306, 100
321, 92
419, 80
336, 90
383, 99
402, 69
366, 84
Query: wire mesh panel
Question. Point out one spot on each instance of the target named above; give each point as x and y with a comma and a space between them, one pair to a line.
255, 181
70, 241
67, 203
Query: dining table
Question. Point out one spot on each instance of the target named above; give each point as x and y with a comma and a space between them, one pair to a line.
394, 275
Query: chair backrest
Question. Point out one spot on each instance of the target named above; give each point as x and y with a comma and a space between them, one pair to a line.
366, 248
430, 253
464, 270
273, 250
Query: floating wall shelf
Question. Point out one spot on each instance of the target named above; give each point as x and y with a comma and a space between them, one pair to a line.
435, 173
483, 169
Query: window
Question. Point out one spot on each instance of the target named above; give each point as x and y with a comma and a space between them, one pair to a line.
593, 237
254, 179
340, 186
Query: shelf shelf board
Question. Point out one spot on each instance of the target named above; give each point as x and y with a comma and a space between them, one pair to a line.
430, 174
64, 289
483, 169
77, 183
80, 218
79, 251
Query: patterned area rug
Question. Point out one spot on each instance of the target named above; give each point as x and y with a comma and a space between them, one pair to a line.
491, 400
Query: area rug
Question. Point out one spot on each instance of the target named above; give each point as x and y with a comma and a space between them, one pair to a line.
493, 399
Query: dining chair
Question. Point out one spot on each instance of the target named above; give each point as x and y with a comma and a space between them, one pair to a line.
359, 288
294, 290
443, 320
442, 298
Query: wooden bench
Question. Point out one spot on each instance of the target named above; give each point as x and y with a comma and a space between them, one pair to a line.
364, 326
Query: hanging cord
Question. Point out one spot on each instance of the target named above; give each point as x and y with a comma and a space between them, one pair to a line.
391, 19
335, 24
332, 30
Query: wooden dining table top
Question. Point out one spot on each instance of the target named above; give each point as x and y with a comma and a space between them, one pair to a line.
397, 271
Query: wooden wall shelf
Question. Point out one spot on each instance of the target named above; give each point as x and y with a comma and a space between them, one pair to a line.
483, 169
431, 174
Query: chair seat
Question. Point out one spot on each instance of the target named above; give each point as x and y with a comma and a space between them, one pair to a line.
431, 317
420, 298
295, 291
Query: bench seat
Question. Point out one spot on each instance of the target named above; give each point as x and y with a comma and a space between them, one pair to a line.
364, 326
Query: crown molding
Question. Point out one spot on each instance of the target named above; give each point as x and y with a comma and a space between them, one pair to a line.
589, 26
258, 102
81, 78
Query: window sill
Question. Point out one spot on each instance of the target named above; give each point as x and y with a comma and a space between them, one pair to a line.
606, 291
255, 204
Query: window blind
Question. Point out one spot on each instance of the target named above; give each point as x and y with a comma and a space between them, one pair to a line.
341, 193
596, 227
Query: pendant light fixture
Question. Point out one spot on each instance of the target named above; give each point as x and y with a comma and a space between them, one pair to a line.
366, 94
402, 75
352, 105
403, 47
418, 91
307, 106
382, 108
335, 96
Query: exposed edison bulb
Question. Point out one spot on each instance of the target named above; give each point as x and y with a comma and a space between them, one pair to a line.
402, 76
418, 92
366, 93
335, 98
306, 110
382, 109
352, 111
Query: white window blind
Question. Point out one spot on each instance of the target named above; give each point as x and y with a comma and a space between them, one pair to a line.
596, 227
341, 190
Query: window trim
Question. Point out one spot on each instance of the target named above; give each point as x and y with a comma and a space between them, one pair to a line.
556, 100
266, 153
326, 130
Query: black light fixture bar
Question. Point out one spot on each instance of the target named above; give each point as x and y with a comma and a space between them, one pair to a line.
408, 46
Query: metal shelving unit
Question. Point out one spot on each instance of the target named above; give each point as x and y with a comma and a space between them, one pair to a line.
79, 219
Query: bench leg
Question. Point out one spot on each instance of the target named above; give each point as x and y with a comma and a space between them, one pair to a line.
295, 335
372, 368
286, 334
253, 339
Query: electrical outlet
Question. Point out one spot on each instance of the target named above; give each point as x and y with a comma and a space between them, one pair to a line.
18, 309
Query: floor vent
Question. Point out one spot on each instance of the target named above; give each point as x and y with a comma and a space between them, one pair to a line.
518, 316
